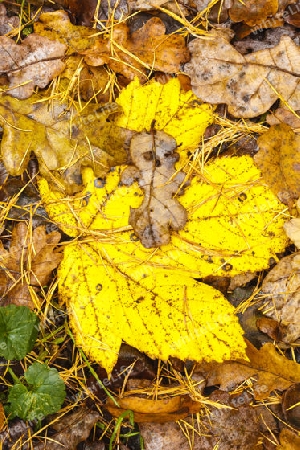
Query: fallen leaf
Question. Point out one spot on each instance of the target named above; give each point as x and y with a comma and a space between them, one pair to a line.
7, 23
56, 25
63, 139
157, 410
154, 170
278, 159
284, 115
280, 292
71, 430
27, 265
160, 315
148, 48
224, 428
268, 370
252, 12
177, 113
288, 440
35, 62
291, 405
234, 221
248, 84
292, 229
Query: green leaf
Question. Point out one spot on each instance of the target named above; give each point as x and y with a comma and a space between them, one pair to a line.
44, 394
18, 331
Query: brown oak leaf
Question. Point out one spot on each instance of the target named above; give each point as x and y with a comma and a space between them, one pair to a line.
148, 48
154, 169
35, 62
27, 265
248, 84
278, 160
270, 370
252, 12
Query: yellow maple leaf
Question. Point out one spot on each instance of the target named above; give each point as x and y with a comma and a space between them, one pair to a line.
161, 315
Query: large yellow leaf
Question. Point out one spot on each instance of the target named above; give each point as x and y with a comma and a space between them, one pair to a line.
234, 221
116, 289
162, 315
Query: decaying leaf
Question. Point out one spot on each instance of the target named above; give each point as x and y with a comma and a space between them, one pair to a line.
289, 440
179, 114
234, 221
248, 84
27, 265
160, 314
62, 138
269, 369
292, 229
71, 430
154, 410
7, 24
223, 428
252, 12
154, 169
278, 159
148, 48
281, 296
33, 63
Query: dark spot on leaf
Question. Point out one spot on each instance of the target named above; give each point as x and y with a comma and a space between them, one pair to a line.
148, 156
99, 182
99, 287
242, 197
75, 132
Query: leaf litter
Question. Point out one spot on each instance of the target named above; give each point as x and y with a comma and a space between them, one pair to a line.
99, 220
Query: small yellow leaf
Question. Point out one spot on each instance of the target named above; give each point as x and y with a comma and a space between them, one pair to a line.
162, 315
179, 114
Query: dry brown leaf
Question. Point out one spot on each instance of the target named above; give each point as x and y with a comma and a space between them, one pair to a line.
154, 168
33, 63
28, 264
284, 115
154, 410
71, 430
249, 84
92, 82
7, 24
63, 139
148, 48
281, 296
278, 160
252, 12
225, 428
270, 370
292, 229
288, 440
